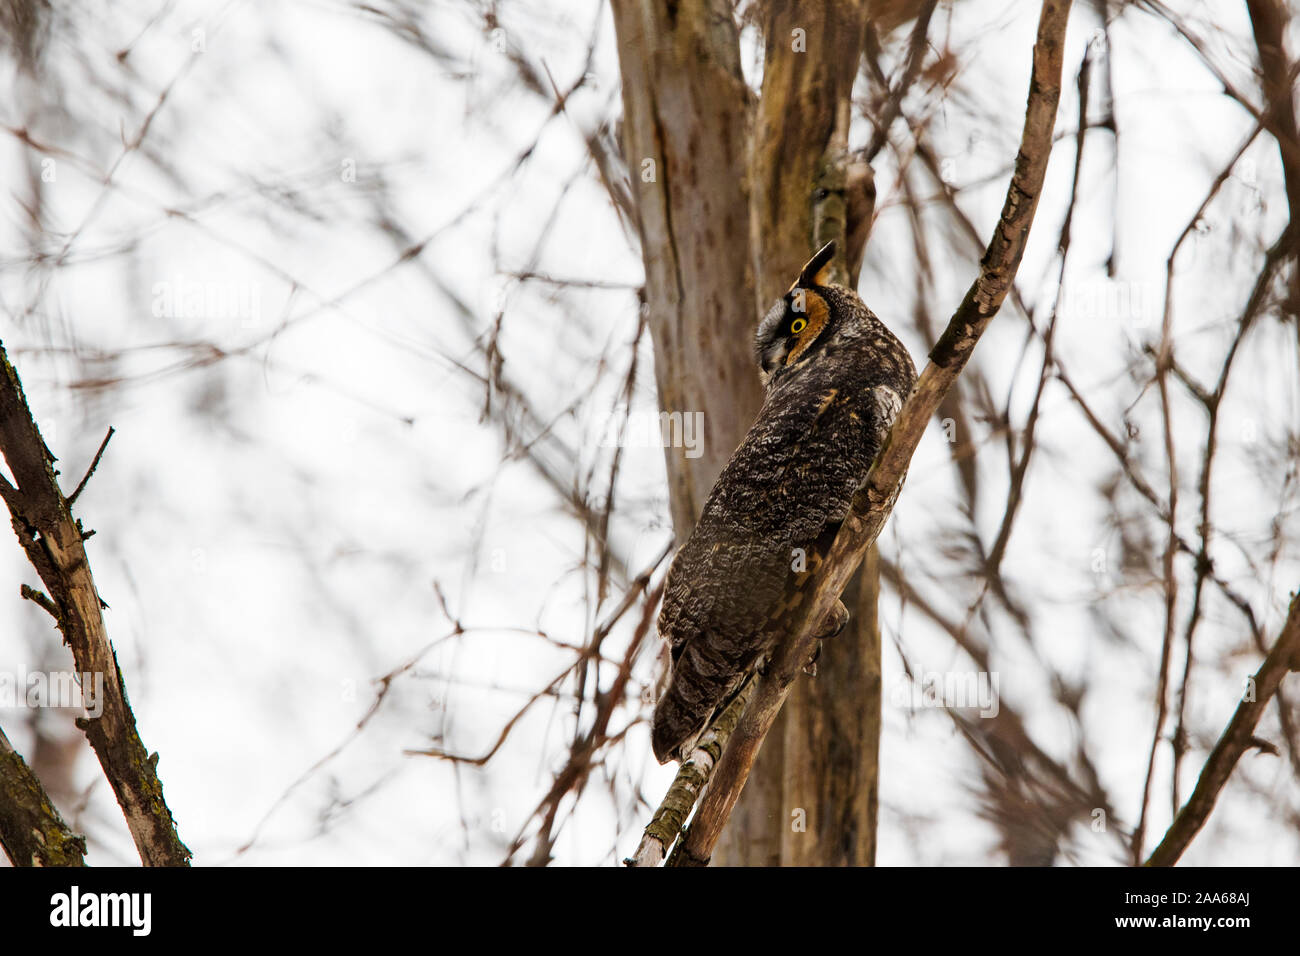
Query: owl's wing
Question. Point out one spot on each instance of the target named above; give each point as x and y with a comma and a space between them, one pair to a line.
767, 524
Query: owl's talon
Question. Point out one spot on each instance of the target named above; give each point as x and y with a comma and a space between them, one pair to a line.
811, 667
836, 620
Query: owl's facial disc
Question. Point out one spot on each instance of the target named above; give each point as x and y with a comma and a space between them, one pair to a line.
790, 329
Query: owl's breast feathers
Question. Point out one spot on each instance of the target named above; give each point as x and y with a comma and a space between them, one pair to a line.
767, 524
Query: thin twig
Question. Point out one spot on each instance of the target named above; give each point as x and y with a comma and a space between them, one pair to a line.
39, 597
91, 470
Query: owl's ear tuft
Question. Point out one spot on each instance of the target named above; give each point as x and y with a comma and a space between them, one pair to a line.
818, 269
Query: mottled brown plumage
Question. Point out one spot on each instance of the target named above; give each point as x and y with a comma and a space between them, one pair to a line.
836, 377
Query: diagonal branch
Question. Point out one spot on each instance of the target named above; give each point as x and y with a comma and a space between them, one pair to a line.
875, 500
1236, 739
81, 485
666, 825
54, 542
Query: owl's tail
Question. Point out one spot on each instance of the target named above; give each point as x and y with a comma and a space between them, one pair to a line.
702, 685
673, 727
706, 678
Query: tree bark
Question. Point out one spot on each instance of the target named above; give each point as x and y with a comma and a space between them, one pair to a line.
832, 741
32, 832
685, 131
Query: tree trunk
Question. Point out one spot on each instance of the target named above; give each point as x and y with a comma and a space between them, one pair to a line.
685, 107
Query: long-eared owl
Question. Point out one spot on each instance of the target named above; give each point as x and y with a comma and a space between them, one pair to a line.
835, 378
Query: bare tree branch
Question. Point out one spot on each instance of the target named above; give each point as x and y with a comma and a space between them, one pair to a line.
666, 825
53, 540
1237, 738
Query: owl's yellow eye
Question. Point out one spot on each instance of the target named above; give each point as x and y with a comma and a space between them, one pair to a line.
798, 325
